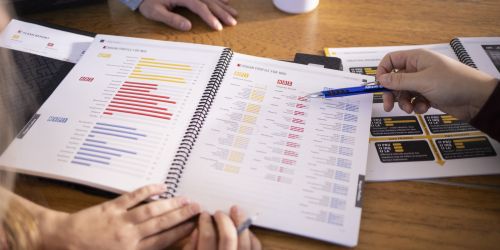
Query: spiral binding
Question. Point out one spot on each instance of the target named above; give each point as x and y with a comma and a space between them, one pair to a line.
187, 143
461, 53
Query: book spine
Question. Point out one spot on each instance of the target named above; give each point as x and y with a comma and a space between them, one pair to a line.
461, 53
174, 175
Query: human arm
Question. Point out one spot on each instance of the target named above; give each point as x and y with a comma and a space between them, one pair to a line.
220, 233
122, 223
488, 118
213, 12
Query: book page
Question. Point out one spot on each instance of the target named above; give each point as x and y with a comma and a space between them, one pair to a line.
117, 118
298, 163
44, 41
411, 146
484, 52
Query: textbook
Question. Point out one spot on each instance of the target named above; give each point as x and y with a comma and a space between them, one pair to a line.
219, 127
434, 144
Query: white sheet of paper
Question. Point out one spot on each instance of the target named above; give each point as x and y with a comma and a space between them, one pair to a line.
44, 41
418, 146
295, 162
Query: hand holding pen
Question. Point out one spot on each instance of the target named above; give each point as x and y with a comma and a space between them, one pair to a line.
222, 232
429, 79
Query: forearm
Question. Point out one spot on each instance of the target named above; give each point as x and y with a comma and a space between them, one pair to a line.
488, 118
37, 222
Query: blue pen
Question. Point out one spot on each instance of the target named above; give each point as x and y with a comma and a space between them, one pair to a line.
371, 87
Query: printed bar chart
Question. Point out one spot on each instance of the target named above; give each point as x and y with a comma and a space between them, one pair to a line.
113, 146
151, 88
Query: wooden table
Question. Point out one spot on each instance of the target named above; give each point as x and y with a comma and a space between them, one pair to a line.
453, 213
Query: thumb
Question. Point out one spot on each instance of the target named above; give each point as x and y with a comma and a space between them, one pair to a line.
192, 242
401, 81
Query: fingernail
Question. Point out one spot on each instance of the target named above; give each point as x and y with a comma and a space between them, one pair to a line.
162, 187
204, 216
195, 208
232, 21
185, 26
236, 210
217, 25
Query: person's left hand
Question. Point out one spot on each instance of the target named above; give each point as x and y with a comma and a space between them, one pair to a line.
122, 223
211, 11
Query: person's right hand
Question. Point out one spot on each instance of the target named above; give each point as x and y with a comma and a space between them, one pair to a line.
211, 11
223, 234
425, 78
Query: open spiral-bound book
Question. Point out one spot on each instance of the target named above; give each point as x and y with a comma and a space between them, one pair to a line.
219, 127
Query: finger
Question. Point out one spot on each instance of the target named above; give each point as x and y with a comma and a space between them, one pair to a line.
405, 59
228, 8
168, 220
401, 81
202, 10
405, 102
221, 13
193, 241
239, 218
155, 208
388, 98
207, 235
162, 14
133, 198
167, 238
256, 245
421, 104
228, 238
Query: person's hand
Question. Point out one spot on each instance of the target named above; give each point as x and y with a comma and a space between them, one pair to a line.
427, 79
223, 234
121, 223
211, 11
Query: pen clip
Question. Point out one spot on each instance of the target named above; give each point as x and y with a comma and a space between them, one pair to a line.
370, 83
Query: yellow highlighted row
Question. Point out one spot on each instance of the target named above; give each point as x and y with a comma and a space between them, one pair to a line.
253, 108
448, 117
166, 64
400, 121
370, 71
156, 79
159, 76
249, 119
162, 67
231, 169
245, 130
469, 140
152, 61
236, 156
